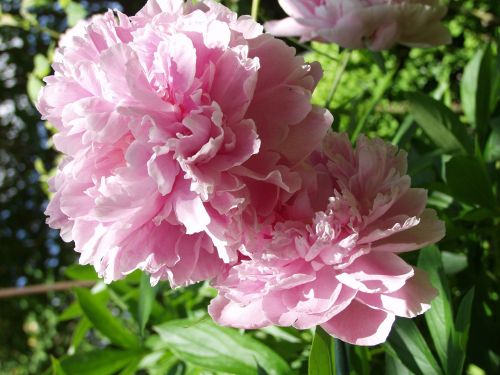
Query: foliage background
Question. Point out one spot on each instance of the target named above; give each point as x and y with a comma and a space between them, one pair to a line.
374, 96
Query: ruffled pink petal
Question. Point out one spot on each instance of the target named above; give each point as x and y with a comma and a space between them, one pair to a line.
303, 138
164, 170
287, 27
429, 230
376, 273
175, 60
283, 91
359, 324
234, 95
155, 7
413, 299
228, 313
192, 214
306, 304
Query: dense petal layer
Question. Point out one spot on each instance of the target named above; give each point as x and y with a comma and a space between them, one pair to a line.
162, 118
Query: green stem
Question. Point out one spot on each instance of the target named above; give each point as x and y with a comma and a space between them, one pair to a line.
338, 77
255, 9
341, 360
380, 90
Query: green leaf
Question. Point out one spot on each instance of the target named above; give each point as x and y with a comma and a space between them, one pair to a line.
495, 86
33, 87
440, 124
360, 360
453, 262
462, 322
178, 368
98, 362
132, 367
440, 317
217, 348
378, 59
478, 214
440, 200
261, 371
134, 277
28, 4
460, 337
341, 359
492, 149
7, 19
476, 90
393, 366
78, 272
380, 88
79, 333
64, 3
468, 181
322, 356
74, 12
158, 363
406, 343
405, 130
73, 311
102, 319
56, 367
146, 298
281, 334
41, 66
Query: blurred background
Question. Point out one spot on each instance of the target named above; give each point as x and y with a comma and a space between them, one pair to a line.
36, 329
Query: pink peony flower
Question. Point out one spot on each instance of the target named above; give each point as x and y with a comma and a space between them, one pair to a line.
372, 24
176, 124
329, 256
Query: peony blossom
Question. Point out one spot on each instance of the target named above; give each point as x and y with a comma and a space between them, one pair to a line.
176, 124
372, 24
329, 256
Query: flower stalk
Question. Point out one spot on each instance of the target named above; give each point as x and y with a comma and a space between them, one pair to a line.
255, 9
341, 359
338, 77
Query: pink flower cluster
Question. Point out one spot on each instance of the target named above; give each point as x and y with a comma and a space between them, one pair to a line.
328, 255
172, 122
192, 151
372, 24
